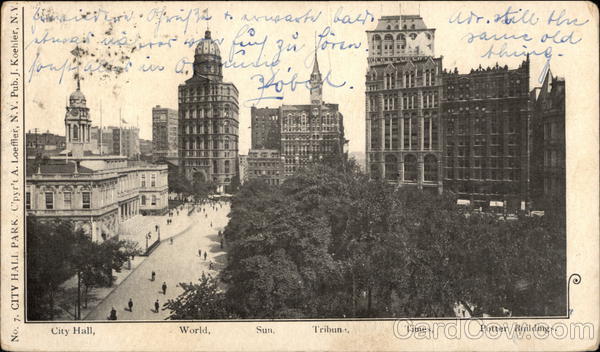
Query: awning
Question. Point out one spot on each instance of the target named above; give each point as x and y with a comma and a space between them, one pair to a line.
463, 202
496, 203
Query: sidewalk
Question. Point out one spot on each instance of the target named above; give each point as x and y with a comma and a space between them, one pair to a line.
136, 229
66, 297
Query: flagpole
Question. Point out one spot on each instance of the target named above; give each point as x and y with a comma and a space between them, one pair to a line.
120, 133
100, 127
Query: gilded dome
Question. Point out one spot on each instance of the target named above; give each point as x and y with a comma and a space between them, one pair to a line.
207, 46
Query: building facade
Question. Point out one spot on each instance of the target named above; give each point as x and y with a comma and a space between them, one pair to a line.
266, 165
43, 143
243, 167
486, 116
311, 132
208, 119
164, 132
99, 193
403, 92
548, 159
266, 131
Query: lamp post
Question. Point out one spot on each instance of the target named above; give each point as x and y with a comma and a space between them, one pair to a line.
148, 236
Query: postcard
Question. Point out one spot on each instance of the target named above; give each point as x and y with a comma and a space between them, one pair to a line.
299, 176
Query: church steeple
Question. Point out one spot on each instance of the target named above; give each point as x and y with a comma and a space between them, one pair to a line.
316, 83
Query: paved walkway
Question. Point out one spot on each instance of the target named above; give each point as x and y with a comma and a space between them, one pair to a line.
173, 263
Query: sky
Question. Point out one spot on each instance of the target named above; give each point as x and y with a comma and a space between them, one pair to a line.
156, 35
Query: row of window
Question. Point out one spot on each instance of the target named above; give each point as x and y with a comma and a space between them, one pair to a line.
153, 200
204, 129
67, 200
152, 182
494, 151
204, 143
482, 174
409, 101
404, 134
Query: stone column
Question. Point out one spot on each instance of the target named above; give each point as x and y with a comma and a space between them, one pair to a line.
382, 138
420, 171
401, 170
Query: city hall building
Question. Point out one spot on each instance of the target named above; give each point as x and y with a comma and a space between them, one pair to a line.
403, 94
99, 193
208, 120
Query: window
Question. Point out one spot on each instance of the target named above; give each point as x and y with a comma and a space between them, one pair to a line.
27, 200
153, 200
143, 200
67, 202
153, 181
143, 180
49, 200
85, 198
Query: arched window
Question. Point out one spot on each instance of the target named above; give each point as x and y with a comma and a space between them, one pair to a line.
215, 167
430, 168
410, 168
391, 167
377, 44
226, 146
215, 144
75, 132
226, 166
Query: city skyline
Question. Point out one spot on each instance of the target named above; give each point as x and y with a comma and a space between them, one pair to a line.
112, 92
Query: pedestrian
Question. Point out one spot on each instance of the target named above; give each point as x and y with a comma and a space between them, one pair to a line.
211, 224
204, 255
219, 233
156, 306
156, 227
210, 266
205, 215
130, 305
164, 288
200, 253
153, 275
221, 243
113, 314
171, 240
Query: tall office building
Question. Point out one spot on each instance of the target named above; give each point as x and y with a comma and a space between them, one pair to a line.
486, 116
164, 132
311, 132
548, 159
403, 91
208, 119
266, 131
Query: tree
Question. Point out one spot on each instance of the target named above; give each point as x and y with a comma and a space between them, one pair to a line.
57, 251
199, 301
48, 265
330, 242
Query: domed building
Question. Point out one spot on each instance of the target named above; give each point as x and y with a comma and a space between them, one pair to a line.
208, 120
77, 124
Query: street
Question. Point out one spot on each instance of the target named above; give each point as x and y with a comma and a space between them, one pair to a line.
172, 263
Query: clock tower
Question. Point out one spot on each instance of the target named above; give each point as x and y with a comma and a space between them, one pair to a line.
77, 123
316, 84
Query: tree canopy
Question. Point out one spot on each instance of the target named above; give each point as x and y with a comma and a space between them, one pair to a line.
329, 242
